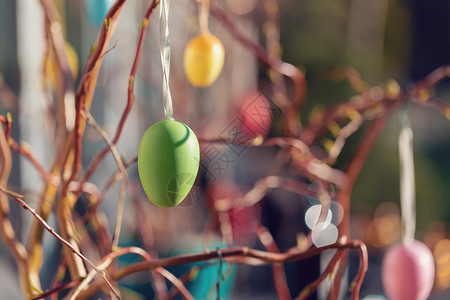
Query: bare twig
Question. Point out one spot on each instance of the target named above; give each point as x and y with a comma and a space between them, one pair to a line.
130, 100
300, 154
88, 81
290, 109
91, 121
24, 150
22, 203
7, 233
312, 287
148, 241
239, 255
59, 288
279, 275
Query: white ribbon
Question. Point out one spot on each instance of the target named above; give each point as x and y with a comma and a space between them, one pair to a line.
407, 180
165, 56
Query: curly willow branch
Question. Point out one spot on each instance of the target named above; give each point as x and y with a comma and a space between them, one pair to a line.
238, 255
130, 100
22, 203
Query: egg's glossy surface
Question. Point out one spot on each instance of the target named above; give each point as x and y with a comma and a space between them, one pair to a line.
408, 272
203, 59
168, 161
96, 10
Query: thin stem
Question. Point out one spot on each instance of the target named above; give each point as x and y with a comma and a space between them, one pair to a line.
344, 133
59, 288
178, 284
24, 150
290, 109
363, 266
7, 232
358, 160
148, 241
312, 287
130, 95
300, 154
279, 275
352, 172
22, 203
241, 255
86, 87
105, 263
91, 121
203, 16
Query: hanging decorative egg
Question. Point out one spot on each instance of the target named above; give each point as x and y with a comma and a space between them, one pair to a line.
408, 271
96, 10
168, 161
203, 60
256, 114
52, 67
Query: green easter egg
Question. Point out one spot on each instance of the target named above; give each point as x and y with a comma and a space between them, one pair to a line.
168, 161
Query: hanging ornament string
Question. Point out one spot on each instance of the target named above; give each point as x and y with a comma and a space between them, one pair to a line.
407, 180
165, 56
203, 16
220, 276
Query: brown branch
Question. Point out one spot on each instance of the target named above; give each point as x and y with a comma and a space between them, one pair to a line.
24, 150
430, 81
64, 89
355, 286
68, 156
107, 259
7, 233
7, 96
59, 288
176, 283
344, 133
148, 241
344, 196
312, 287
109, 184
91, 121
319, 122
58, 276
22, 203
225, 226
86, 87
105, 263
17, 198
349, 73
290, 109
435, 103
238, 255
83, 101
300, 154
262, 186
279, 275
358, 160
130, 100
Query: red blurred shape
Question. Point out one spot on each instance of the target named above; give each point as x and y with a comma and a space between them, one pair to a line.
255, 111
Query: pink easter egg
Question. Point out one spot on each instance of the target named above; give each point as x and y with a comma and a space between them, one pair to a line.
255, 112
408, 271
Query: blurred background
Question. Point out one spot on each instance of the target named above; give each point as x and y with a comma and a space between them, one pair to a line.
384, 39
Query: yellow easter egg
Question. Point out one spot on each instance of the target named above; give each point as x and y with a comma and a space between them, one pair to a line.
203, 59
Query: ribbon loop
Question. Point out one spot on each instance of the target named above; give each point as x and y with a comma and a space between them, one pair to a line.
407, 179
165, 56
